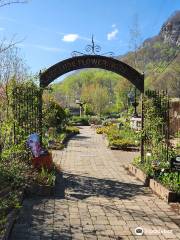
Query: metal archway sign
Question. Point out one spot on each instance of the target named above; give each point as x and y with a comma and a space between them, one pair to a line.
92, 61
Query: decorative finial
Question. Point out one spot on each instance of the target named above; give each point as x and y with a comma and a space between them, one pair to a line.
91, 49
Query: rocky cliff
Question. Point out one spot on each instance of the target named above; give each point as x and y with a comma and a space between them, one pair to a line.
170, 31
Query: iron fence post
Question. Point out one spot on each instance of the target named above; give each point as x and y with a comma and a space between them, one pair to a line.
40, 108
142, 123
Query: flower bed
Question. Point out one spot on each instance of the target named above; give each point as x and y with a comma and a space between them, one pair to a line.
163, 182
123, 138
56, 141
18, 175
162, 191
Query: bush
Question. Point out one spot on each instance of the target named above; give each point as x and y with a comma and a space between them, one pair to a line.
102, 130
125, 133
54, 116
170, 180
122, 143
72, 129
109, 122
55, 140
99, 130
77, 120
95, 120
119, 138
46, 177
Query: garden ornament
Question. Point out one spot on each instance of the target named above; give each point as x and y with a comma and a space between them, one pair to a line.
33, 143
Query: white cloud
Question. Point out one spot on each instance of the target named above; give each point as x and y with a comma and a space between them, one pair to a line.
113, 25
112, 35
70, 37
2, 29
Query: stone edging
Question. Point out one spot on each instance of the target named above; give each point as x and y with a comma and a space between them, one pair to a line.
40, 190
162, 191
11, 218
139, 174
155, 186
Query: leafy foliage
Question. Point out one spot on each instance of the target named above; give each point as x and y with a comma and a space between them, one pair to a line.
101, 90
121, 138
54, 116
170, 180
46, 177
156, 159
77, 120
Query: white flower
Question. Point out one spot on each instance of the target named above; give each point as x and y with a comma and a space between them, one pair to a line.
162, 170
148, 154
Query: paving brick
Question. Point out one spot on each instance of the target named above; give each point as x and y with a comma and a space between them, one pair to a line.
102, 201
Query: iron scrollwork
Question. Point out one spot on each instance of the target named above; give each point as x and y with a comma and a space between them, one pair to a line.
91, 49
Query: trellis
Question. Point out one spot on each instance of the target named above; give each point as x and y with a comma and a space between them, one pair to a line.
25, 110
156, 106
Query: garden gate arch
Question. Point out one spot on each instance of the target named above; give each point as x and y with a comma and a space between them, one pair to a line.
91, 61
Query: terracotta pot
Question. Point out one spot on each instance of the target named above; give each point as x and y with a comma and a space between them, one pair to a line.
43, 161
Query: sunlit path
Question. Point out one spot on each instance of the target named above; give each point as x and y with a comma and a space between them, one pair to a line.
95, 199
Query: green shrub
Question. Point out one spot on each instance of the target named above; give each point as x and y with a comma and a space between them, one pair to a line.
77, 120
109, 122
124, 137
95, 120
170, 180
122, 143
72, 129
46, 177
54, 116
101, 130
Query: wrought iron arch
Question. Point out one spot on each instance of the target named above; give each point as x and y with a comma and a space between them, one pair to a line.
92, 61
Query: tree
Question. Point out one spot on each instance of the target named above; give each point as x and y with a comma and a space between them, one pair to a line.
3, 45
100, 99
4, 3
135, 41
54, 115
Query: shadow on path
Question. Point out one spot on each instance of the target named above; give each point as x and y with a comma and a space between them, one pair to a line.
82, 187
40, 218
79, 137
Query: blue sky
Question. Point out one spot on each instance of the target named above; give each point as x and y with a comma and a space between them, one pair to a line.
52, 29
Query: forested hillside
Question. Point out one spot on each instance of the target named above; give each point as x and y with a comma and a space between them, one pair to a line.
159, 58
104, 91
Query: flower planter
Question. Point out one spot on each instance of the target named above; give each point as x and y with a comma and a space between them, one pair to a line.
156, 187
43, 161
162, 191
139, 174
130, 149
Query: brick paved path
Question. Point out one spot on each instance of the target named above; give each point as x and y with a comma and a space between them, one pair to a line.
101, 201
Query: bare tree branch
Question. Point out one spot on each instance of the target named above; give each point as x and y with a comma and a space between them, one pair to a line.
9, 2
4, 46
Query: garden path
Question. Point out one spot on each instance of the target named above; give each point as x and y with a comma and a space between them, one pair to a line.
95, 199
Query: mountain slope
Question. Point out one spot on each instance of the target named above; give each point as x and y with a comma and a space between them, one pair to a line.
158, 57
